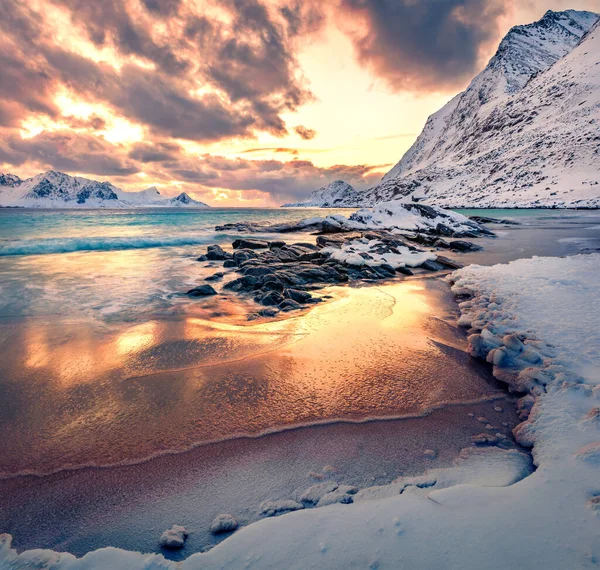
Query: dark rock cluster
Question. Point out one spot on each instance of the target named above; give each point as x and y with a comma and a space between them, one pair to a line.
283, 277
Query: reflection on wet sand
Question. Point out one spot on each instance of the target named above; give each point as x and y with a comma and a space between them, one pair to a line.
82, 395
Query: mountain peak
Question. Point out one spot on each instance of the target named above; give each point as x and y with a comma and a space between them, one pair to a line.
336, 193
508, 131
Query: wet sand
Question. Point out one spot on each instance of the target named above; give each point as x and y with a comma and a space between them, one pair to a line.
80, 396
152, 396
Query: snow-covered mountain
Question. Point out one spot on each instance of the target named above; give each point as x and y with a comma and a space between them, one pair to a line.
53, 189
525, 133
337, 194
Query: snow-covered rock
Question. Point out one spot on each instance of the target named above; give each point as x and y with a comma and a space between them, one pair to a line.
523, 134
405, 215
174, 538
223, 523
53, 189
272, 508
337, 194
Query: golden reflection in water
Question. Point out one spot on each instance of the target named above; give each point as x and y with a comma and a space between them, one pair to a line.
167, 384
136, 338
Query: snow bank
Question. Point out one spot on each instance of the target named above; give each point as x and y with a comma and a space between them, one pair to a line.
484, 512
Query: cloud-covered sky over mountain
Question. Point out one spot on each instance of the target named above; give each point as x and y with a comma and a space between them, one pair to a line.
252, 100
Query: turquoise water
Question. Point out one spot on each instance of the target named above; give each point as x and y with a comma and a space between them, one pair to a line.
111, 265
115, 265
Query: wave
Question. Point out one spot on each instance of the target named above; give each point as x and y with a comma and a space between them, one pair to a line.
41, 473
69, 245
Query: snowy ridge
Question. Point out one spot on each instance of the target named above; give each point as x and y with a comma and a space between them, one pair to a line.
335, 194
523, 134
485, 512
53, 189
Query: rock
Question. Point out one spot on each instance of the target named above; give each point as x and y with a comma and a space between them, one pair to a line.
269, 312
289, 305
229, 263
202, 258
242, 284
430, 453
487, 220
404, 270
253, 317
330, 227
257, 270
242, 255
313, 494
272, 508
217, 253
174, 538
215, 276
272, 284
431, 265
223, 523
461, 245
245, 243
298, 296
201, 291
276, 244
447, 262
273, 298
343, 494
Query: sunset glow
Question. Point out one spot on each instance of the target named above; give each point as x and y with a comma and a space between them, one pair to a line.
145, 93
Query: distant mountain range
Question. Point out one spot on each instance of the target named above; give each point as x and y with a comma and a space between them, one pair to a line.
336, 194
58, 190
525, 133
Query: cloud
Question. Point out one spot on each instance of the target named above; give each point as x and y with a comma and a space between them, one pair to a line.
67, 151
277, 181
305, 133
424, 45
177, 69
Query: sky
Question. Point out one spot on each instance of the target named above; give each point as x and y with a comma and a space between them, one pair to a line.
236, 102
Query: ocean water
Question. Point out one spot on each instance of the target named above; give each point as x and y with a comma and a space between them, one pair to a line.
114, 383
111, 265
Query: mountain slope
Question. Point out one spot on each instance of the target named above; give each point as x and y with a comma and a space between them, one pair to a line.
336, 194
53, 189
522, 134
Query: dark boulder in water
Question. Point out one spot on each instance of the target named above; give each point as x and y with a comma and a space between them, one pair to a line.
202, 291
245, 243
215, 276
217, 253
461, 245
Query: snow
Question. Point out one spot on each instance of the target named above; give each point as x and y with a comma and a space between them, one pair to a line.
174, 538
53, 189
406, 215
223, 523
523, 134
335, 194
360, 252
488, 510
